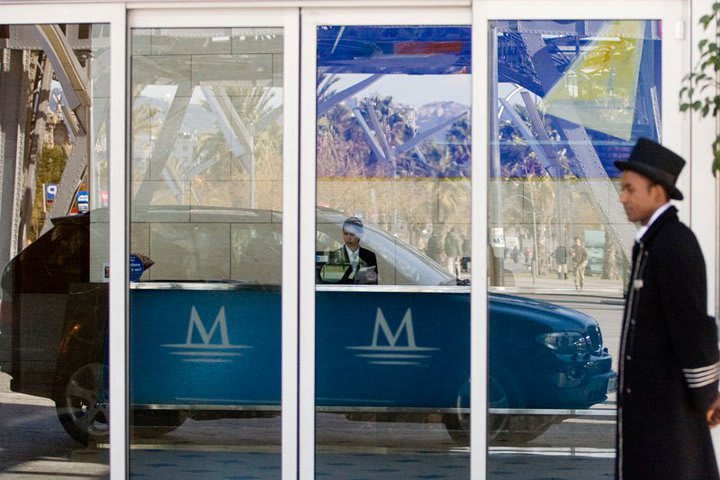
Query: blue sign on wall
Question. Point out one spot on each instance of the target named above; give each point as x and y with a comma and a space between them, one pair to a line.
83, 201
136, 268
50, 192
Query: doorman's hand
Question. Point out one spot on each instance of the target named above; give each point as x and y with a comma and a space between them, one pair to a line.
713, 413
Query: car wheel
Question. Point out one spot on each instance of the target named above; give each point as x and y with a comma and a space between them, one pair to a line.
499, 396
457, 423
83, 414
521, 429
509, 428
84, 411
502, 393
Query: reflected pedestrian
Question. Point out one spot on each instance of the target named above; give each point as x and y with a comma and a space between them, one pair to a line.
436, 246
515, 254
579, 261
668, 368
561, 261
466, 255
453, 251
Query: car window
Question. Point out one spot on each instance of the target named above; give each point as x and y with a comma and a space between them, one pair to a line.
246, 246
66, 251
257, 253
398, 262
53, 262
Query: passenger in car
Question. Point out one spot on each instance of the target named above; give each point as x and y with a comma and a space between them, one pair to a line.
361, 262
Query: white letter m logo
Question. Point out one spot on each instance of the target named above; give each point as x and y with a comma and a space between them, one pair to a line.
406, 325
219, 352
388, 352
196, 324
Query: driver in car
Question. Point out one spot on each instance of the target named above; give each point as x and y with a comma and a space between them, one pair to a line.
362, 263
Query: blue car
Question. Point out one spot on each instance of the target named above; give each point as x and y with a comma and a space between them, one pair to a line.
202, 347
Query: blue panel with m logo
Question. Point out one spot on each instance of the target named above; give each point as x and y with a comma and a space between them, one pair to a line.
205, 347
215, 348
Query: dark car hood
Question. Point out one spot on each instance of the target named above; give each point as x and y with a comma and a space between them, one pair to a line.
549, 316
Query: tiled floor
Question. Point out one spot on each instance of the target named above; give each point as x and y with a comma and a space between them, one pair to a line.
34, 446
176, 465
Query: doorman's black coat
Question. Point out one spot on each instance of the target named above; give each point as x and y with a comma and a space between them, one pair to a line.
668, 360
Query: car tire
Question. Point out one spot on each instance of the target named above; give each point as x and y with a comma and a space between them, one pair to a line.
155, 423
457, 423
502, 393
83, 408
83, 414
520, 429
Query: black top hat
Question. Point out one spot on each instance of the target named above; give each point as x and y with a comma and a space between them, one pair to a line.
657, 163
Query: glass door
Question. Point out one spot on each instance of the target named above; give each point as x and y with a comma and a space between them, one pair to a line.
58, 122
570, 90
212, 241
386, 244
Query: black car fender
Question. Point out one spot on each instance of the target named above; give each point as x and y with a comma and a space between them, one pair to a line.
84, 337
